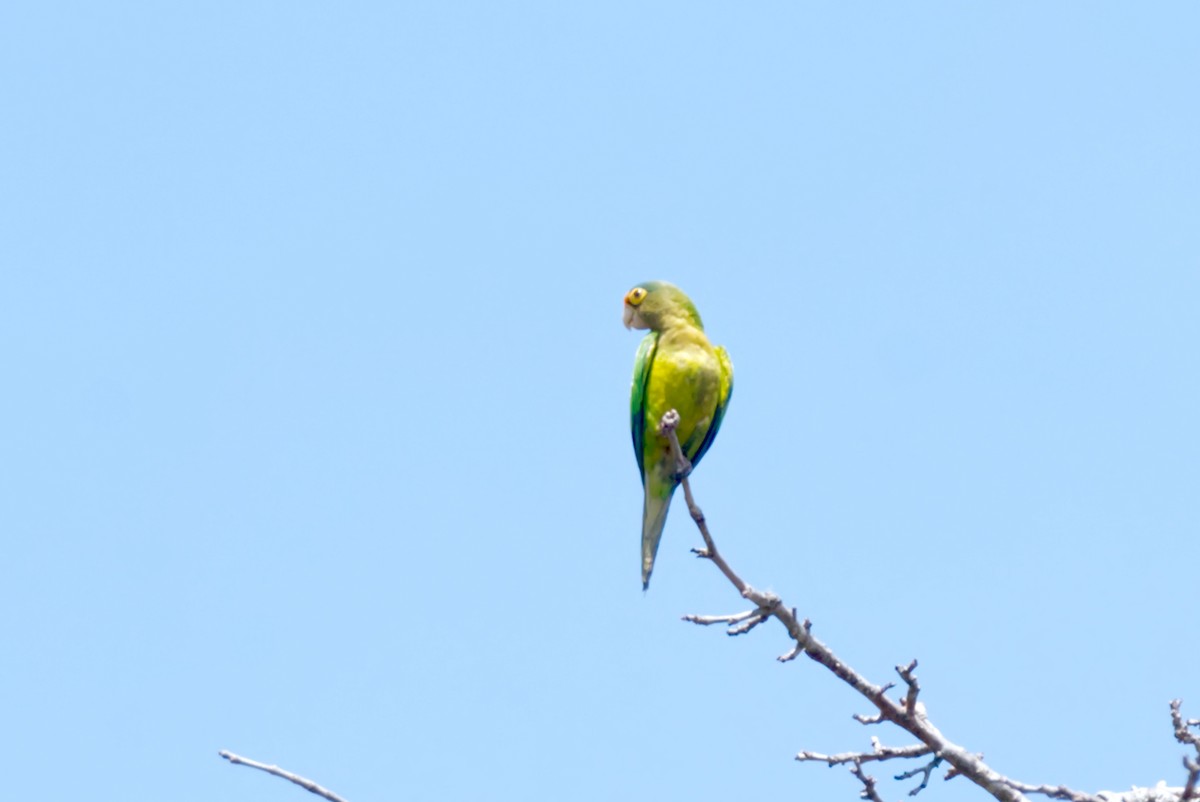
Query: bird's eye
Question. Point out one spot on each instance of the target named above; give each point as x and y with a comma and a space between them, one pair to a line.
635, 296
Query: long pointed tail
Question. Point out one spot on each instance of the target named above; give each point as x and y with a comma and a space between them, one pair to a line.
654, 518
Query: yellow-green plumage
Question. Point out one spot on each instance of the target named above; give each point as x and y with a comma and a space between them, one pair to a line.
676, 368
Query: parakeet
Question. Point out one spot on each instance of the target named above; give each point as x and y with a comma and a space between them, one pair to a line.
676, 368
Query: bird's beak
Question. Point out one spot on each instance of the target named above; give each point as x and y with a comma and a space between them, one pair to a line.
633, 319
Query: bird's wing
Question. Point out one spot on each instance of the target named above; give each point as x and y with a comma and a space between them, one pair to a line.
725, 394
637, 399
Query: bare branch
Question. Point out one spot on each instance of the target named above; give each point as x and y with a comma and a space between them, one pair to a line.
1183, 733
881, 753
952, 772
760, 615
709, 620
868, 782
666, 427
796, 650
907, 715
925, 770
748, 620
910, 700
306, 784
1052, 791
1191, 789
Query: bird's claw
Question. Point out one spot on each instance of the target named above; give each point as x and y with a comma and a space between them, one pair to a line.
669, 421
685, 470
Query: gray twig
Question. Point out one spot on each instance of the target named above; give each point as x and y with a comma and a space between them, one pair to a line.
745, 621
925, 770
881, 753
868, 782
304, 783
906, 674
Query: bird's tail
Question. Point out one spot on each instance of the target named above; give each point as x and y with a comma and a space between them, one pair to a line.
654, 518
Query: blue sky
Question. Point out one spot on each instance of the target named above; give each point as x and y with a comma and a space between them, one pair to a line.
316, 394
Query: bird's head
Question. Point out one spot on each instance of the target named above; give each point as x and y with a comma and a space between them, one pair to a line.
656, 305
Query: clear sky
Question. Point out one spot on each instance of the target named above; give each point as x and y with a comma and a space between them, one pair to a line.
315, 399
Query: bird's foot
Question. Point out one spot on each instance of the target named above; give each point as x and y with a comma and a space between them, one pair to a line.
685, 470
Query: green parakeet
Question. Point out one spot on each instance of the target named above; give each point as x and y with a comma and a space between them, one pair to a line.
677, 368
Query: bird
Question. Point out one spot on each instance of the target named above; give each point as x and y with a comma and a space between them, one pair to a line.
676, 368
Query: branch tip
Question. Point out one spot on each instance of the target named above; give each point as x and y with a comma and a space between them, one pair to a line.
303, 782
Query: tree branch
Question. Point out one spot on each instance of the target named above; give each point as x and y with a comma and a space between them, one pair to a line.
304, 783
906, 713
1184, 734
